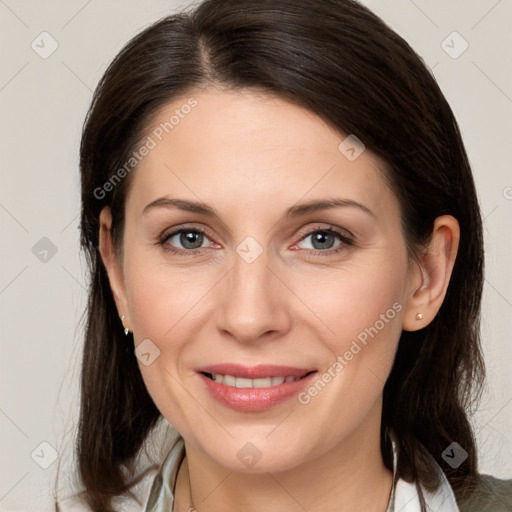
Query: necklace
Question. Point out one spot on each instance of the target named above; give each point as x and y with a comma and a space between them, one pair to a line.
188, 491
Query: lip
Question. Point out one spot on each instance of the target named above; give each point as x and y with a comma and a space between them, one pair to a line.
254, 399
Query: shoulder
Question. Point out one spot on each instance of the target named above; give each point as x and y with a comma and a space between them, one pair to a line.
489, 495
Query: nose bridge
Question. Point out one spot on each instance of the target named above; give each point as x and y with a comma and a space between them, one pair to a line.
251, 277
253, 304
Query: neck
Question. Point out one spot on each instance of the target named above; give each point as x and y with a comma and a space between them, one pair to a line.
351, 476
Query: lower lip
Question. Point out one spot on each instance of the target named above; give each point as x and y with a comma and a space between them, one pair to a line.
254, 399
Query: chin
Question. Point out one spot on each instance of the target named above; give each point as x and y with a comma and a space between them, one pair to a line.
256, 454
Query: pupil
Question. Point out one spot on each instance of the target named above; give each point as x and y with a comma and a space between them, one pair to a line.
189, 238
321, 238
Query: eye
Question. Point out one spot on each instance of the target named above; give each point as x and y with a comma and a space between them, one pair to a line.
189, 239
324, 241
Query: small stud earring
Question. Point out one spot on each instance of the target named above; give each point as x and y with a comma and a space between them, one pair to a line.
419, 316
126, 331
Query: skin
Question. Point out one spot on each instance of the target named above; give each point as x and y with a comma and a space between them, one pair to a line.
251, 157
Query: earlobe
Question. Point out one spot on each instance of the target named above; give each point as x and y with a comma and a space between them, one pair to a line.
113, 268
430, 278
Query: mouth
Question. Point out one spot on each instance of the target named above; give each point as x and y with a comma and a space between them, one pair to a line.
251, 389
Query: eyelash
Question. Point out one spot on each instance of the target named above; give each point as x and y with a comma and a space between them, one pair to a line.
346, 242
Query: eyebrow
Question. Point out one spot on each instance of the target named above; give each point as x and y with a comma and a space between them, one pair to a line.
294, 211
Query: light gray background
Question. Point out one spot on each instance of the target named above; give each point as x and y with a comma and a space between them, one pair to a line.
43, 103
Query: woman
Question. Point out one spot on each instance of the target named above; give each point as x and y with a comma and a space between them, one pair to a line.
286, 255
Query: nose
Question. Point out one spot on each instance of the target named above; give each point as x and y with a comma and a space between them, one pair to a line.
254, 302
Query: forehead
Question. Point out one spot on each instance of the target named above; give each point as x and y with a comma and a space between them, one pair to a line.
251, 148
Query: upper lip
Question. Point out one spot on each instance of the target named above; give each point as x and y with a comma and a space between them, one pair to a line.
261, 371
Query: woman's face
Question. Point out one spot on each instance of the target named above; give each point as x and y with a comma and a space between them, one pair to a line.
255, 279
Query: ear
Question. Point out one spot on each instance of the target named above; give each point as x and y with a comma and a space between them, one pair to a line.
112, 265
429, 278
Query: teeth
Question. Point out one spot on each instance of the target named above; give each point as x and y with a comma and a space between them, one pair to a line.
240, 382
230, 381
243, 383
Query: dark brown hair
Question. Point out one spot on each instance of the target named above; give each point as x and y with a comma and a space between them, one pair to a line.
343, 63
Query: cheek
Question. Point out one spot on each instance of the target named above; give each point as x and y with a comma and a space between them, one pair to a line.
161, 305
362, 315
161, 297
359, 309
351, 300
165, 307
